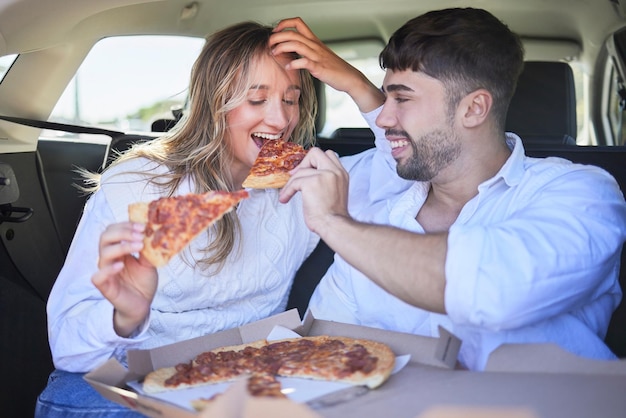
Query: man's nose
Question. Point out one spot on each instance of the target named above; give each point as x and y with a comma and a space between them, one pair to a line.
386, 117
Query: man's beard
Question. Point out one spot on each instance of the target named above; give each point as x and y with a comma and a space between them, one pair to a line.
432, 152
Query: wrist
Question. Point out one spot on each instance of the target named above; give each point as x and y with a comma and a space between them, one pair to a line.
126, 325
332, 226
366, 95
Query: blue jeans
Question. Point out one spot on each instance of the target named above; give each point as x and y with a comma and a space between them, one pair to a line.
68, 395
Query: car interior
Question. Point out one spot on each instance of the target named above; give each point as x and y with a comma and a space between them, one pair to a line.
40, 205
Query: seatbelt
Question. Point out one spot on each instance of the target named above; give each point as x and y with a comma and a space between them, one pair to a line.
76, 129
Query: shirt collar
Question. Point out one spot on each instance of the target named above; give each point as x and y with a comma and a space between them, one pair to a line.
384, 182
513, 169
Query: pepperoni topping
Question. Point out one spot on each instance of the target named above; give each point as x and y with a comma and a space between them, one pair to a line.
327, 358
172, 220
277, 156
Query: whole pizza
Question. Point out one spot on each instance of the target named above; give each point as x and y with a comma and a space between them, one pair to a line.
338, 359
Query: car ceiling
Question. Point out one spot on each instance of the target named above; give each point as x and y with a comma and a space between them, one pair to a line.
53, 36
28, 25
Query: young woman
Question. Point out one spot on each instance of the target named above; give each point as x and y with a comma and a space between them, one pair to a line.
106, 301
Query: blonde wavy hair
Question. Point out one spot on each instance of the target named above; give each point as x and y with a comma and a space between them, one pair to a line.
197, 147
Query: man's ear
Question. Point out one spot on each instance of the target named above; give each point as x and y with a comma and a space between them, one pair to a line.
475, 107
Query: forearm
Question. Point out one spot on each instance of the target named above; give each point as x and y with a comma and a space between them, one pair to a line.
408, 265
364, 93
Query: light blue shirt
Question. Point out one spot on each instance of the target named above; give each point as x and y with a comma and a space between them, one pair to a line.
533, 257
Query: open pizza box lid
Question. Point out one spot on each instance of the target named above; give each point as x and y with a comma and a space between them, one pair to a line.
549, 358
111, 378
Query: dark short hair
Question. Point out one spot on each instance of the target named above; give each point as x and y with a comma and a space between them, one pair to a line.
464, 48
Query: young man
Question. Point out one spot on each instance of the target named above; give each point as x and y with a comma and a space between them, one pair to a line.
495, 246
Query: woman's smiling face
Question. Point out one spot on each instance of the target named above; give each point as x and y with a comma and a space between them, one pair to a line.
270, 111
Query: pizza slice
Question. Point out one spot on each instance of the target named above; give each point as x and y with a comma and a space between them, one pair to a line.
271, 167
173, 222
257, 385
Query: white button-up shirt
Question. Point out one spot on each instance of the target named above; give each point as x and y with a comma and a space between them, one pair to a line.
533, 257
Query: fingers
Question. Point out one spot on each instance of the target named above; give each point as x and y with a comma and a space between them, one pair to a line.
119, 240
294, 23
116, 242
300, 40
314, 164
323, 184
323, 63
311, 51
103, 280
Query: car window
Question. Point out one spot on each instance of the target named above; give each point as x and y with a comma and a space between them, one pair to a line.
126, 82
340, 110
151, 74
583, 136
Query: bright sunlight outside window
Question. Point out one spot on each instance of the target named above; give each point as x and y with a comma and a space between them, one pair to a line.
127, 82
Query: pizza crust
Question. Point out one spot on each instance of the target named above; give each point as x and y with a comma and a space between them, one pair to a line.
138, 212
270, 181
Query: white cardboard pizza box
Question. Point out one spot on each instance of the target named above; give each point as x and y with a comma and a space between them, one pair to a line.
111, 378
548, 358
521, 380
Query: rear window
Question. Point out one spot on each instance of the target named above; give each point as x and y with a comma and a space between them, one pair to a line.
340, 110
127, 82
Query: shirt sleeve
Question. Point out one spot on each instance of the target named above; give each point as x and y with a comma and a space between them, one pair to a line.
80, 319
555, 251
370, 118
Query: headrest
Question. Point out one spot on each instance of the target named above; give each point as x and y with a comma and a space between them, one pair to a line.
543, 108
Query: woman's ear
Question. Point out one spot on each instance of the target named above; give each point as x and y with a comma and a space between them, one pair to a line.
476, 106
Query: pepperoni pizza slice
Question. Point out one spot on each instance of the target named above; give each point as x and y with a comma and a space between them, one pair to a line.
271, 167
173, 222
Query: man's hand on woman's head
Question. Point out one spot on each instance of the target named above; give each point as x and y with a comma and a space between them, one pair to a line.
294, 36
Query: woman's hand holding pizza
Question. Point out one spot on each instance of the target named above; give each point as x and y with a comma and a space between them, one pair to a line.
323, 182
293, 35
129, 283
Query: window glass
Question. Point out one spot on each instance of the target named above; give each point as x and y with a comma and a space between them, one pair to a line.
582, 121
126, 82
613, 109
5, 63
341, 112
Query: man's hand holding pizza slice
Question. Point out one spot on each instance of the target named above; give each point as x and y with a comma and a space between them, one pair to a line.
324, 185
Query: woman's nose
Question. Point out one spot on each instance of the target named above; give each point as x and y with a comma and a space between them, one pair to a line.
276, 114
